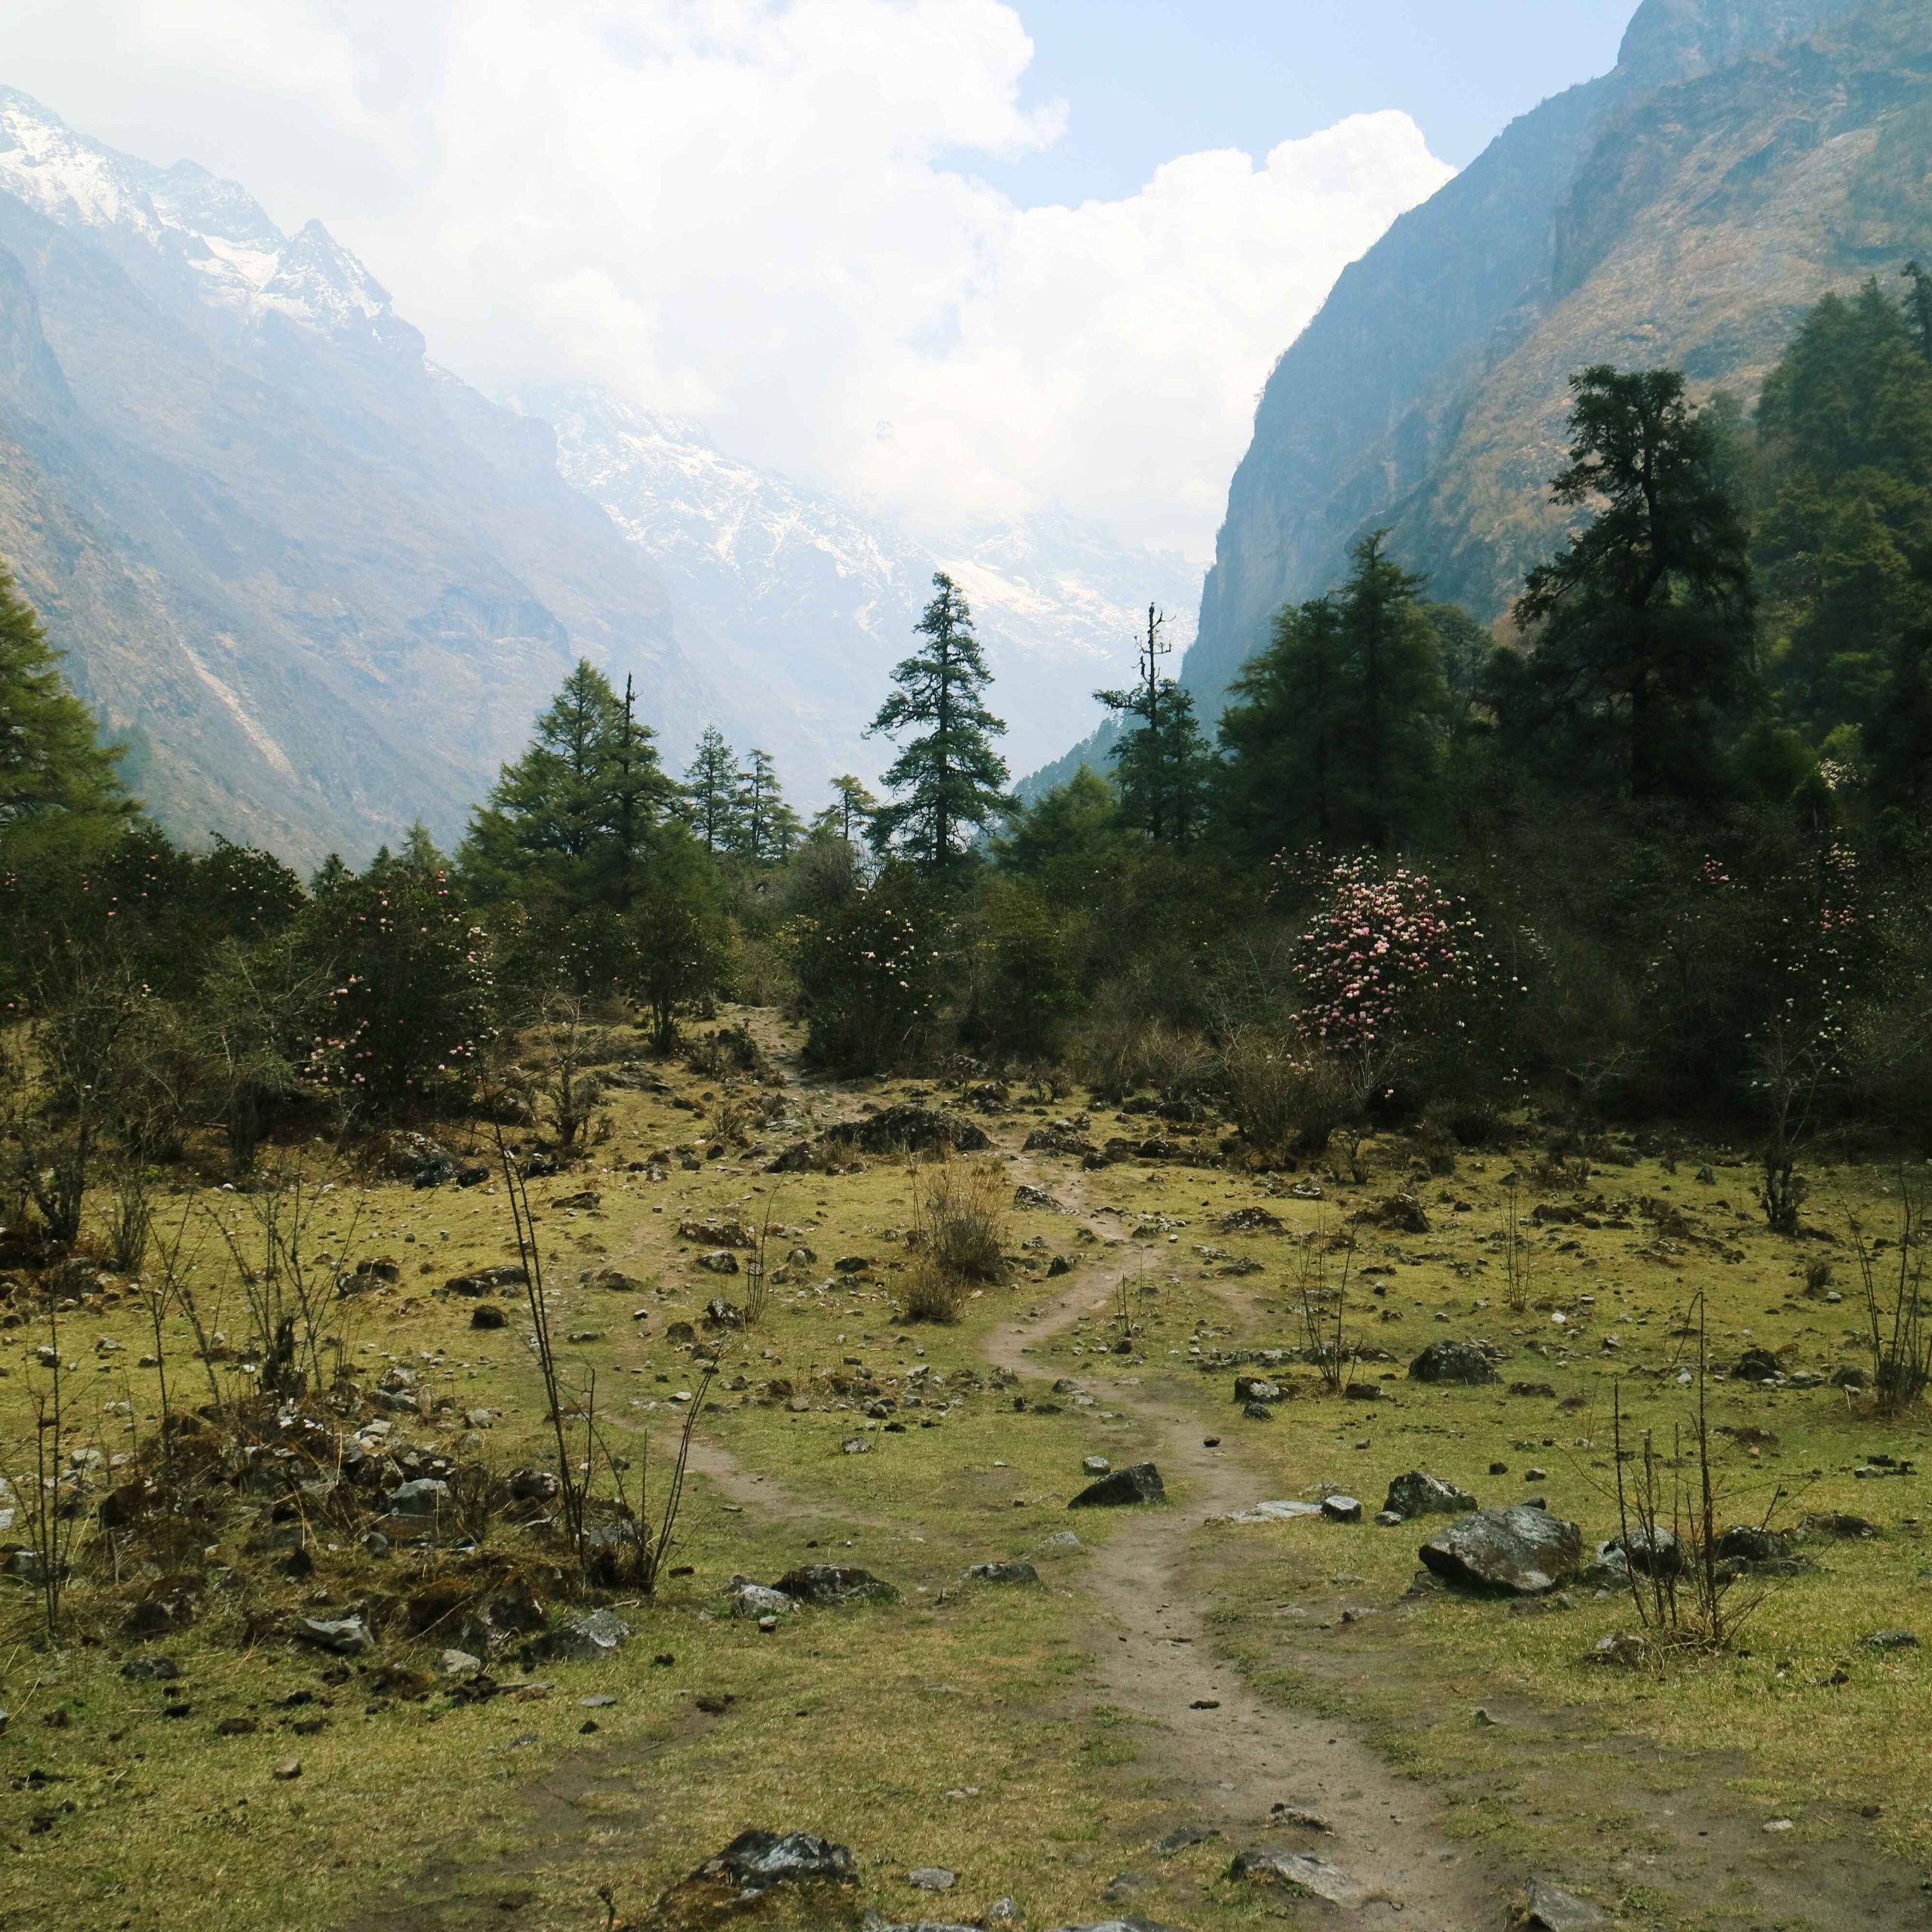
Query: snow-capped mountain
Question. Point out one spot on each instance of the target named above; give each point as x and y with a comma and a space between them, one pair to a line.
322, 585
811, 601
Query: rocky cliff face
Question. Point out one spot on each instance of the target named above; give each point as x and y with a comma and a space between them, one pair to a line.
1745, 156
325, 586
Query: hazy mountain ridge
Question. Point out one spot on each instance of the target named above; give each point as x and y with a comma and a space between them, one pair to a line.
1684, 209
326, 583
812, 600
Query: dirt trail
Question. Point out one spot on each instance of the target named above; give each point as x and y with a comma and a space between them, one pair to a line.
1228, 1757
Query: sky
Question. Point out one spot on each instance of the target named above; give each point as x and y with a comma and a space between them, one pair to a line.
967, 261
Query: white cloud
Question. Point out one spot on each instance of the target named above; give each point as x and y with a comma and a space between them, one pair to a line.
764, 214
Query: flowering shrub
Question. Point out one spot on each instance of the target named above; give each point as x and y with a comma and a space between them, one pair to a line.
870, 979
1386, 955
409, 997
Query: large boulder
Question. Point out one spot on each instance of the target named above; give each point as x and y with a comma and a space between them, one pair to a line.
1416, 1494
1453, 1361
1522, 1551
1141, 1483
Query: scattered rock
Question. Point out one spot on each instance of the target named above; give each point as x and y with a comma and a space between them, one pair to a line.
715, 1231
1248, 1221
1181, 1839
488, 1281
906, 1129
932, 1879
425, 1496
1275, 1512
487, 1314
1416, 1494
1310, 1877
752, 1865
287, 1771
151, 1668
1649, 1552
1003, 1572
580, 1637
829, 1585
1340, 1508
1520, 1552
1140, 1483
347, 1636
1891, 1640
1550, 1909
719, 1261
755, 1599
1453, 1361
1036, 1200
1757, 1365
1747, 1542
460, 1664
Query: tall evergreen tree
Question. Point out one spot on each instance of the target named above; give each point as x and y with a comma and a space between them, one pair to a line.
712, 781
767, 827
572, 819
948, 779
60, 792
1161, 763
1334, 733
1641, 626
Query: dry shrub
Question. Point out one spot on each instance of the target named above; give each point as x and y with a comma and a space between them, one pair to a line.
1281, 1094
958, 1235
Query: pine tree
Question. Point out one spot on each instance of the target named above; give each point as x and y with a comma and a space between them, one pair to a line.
850, 815
1162, 764
712, 782
60, 793
948, 779
1642, 627
767, 827
1334, 733
573, 818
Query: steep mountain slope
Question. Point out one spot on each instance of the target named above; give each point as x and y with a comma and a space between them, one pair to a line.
1684, 210
326, 583
809, 602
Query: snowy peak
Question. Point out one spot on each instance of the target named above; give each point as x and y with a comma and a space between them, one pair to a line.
240, 263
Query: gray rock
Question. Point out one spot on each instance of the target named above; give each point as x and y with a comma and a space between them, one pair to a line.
1551, 1909
1003, 1572
1453, 1362
1340, 1508
1416, 1494
1892, 1639
580, 1637
1649, 1552
932, 1879
1140, 1483
1061, 1542
1746, 1543
719, 1261
151, 1668
1313, 1877
1094, 1465
755, 1861
1275, 1512
460, 1663
830, 1585
425, 1497
347, 1636
749, 1599
1521, 1552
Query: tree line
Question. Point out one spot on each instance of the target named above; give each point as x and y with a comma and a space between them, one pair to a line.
1654, 842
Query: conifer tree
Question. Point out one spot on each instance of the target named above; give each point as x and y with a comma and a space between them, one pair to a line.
768, 827
850, 815
573, 818
712, 792
947, 779
1641, 626
60, 791
1161, 764
1333, 734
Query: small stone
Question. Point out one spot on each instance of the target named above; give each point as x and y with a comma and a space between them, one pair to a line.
1141, 1483
1892, 1639
347, 1636
460, 1663
1551, 1909
1095, 1465
1339, 1508
1003, 1572
288, 1769
932, 1879
1780, 1824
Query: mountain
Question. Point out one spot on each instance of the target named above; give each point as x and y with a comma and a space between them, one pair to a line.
1745, 157
785, 591
321, 585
